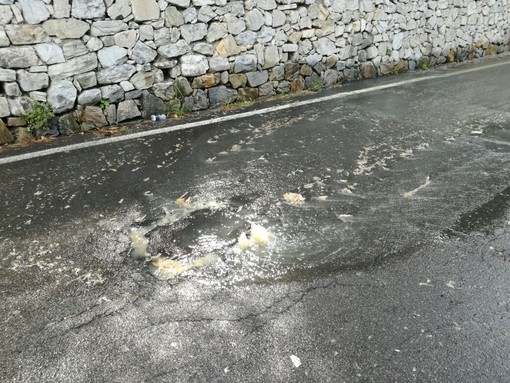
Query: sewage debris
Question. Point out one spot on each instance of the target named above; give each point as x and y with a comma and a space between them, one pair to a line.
183, 202
414, 191
258, 236
244, 242
165, 268
294, 198
295, 361
182, 240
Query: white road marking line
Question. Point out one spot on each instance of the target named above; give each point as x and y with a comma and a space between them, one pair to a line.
216, 120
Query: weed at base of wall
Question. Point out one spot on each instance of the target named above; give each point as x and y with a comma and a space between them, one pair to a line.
39, 116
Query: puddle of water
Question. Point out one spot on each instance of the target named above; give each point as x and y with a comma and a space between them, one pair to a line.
483, 216
234, 244
295, 203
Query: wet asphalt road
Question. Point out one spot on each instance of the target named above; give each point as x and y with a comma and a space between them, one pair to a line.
396, 267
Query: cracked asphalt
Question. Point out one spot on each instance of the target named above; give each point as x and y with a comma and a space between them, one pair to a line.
396, 267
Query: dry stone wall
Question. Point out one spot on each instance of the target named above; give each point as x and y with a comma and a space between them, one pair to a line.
107, 61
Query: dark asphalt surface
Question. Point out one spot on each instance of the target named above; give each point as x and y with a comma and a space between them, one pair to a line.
396, 267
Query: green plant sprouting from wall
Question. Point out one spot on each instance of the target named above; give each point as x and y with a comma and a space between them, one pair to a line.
39, 116
177, 107
318, 85
104, 103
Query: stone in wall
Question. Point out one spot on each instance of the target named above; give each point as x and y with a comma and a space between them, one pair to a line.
73, 67
126, 39
19, 106
142, 80
152, 105
237, 80
24, 34
190, 15
206, 14
206, 81
173, 17
183, 87
12, 89
216, 31
120, 9
50, 53
67, 124
89, 97
329, 77
142, 53
245, 63
194, 65
219, 64
62, 95
203, 48
115, 74
6, 136
247, 94
180, 3
110, 113
5, 14
34, 11
255, 19
18, 57
7, 75
74, 48
86, 80
221, 95
325, 47
235, 25
199, 100
93, 117
193, 32
66, 28
227, 47
4, 40
88, 9
113, 93
165, 91
267, 5
32, 81
246, 38
180, 48
107, 27
144, 10
4, 107
271, 56
112, 56
127, 110
200, 3
38, 96
62, 9
257, 78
